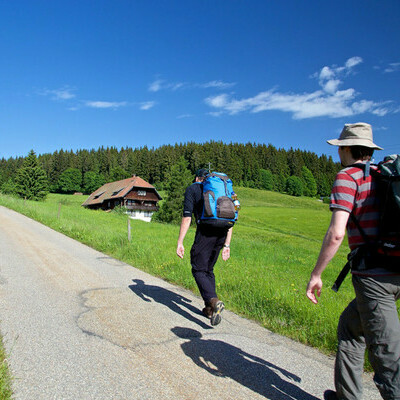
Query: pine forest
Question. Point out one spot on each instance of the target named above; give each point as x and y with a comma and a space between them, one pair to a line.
260, 166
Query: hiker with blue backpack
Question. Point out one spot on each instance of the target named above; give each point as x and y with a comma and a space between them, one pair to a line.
209, 198
365, 199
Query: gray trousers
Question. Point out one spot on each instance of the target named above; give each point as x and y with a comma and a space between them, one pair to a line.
370, 322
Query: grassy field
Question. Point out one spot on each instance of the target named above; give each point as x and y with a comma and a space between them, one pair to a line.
5, 376
274, 247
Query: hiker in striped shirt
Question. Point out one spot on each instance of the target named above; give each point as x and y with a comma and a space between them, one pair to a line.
371, 320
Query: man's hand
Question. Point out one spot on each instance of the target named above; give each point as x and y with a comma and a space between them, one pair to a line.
332, 241
180, 250
314, 288
185, 224
226, 253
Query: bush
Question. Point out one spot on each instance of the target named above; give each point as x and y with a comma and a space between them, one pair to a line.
294, 186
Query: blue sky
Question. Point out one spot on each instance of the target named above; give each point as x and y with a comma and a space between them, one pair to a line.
84, 74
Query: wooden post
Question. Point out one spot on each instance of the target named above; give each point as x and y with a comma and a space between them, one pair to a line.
129, 229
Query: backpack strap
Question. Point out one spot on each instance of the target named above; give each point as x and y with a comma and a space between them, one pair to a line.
360, 229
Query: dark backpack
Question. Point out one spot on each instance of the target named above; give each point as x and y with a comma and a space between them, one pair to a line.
385, 249
219, 209
387, 177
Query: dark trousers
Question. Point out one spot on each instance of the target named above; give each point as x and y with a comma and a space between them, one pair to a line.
203, 256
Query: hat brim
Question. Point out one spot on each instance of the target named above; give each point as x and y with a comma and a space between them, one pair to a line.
354, 142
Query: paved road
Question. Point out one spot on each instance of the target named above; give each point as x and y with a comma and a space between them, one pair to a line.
81, 325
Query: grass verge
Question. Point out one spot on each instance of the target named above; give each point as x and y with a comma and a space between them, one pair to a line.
5, 376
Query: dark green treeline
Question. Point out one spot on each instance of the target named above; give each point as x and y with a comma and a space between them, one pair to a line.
251, 165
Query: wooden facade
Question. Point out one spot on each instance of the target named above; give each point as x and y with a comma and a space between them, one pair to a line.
135, 194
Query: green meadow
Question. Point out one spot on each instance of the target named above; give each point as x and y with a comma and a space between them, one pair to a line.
274, 247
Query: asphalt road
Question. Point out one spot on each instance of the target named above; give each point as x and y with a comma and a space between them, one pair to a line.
78, 324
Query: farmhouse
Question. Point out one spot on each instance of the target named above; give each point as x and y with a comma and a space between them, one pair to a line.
135, 194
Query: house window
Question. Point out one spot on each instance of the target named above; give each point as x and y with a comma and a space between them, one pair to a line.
98, 195
117, 191
141, 193
148, 214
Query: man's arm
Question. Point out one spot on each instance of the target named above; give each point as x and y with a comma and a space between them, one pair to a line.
226, 251
185, 224
332, 241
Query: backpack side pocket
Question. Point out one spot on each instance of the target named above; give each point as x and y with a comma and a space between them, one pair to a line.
225, 208
209, 204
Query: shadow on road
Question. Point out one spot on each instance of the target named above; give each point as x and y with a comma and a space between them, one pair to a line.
227, 361
173, 301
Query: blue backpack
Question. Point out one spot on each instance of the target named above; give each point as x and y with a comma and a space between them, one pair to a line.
219, 208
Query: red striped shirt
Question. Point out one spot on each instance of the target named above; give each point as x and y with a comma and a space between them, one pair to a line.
353, 192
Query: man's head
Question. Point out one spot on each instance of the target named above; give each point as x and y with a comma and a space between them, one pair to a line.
355, 143
201, 174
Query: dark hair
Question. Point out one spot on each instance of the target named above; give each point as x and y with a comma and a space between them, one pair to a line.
201, 173
361, 152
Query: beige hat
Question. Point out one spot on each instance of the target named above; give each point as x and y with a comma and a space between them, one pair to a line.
359, 134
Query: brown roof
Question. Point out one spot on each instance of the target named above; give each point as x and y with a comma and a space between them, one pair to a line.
118, 189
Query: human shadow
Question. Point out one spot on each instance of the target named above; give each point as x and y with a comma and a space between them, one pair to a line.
224, 360
172, 300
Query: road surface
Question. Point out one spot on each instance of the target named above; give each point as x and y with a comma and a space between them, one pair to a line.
78, 324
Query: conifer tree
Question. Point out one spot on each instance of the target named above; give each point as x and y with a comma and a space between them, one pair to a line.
310, 185
70, 181
92, 181
180, 179
31, 180
266, 179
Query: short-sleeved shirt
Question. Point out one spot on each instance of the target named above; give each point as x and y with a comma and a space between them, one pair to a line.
193, 202
353, 192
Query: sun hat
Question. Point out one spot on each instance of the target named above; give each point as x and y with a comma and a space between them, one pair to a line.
358, 134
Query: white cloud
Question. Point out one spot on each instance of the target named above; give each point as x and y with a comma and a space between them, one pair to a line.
330, 77
328, 101
65, 93
161, 84
184, 116
105, 104
146, 105
217, 85
353, 61
155, 86
393, 67
326, 73
332, 85
301, 106
219, 101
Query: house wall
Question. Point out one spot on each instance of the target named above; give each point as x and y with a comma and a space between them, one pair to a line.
141, 215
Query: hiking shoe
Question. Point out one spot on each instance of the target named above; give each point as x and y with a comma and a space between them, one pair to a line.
207, 311
330, 395
217, 307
